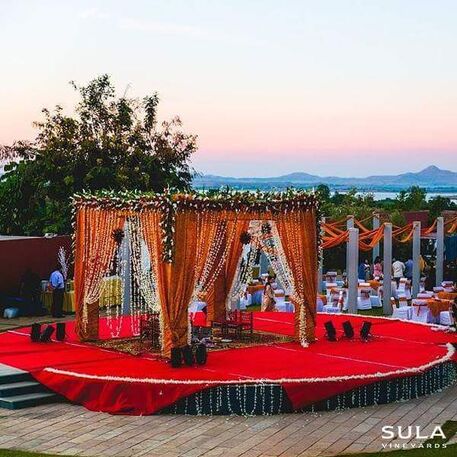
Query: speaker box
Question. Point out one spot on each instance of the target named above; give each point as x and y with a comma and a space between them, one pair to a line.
60, 331
46, 335
365, 330
201, 355
348, 329
35, 332
188, 355
331, 331
176, 357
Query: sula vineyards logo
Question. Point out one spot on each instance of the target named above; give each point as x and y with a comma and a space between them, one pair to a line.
417, 439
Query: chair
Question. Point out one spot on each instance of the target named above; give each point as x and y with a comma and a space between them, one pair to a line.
404, 289
245, 301
336, 303
150, 329
403, 312
280, 298
330, 277
329, 286
422, 284
364, 300
319, 304
237, 321
446, 318
421, 312
375, 297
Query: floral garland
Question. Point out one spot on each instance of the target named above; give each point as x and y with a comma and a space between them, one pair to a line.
169, 203
207, 382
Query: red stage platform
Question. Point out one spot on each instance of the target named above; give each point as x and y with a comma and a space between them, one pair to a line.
109, 381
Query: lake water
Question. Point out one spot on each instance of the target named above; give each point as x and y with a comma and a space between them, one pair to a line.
384, 195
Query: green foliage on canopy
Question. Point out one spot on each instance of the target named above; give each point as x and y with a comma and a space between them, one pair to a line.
109, 142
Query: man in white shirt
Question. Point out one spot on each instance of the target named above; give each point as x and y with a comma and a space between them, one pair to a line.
57, 285
398, 269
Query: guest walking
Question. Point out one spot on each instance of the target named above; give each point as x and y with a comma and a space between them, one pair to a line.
268, 299
57, 285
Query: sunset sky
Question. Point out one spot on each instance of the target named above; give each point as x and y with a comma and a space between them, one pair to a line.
339, 87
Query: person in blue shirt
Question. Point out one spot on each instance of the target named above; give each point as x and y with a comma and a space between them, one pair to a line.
409, 269
57, 284
361, 272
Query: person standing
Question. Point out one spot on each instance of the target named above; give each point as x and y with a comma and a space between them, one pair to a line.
409, 270
398, 269
57, 285
377, 268
269, 299
367, 270
361, 271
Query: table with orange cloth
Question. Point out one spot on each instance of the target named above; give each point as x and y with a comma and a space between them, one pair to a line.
447, 295
437, 306
374, 284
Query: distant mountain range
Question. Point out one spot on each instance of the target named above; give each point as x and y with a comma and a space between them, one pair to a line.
431, 177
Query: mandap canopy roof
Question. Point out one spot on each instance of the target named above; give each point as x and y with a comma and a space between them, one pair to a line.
193, 237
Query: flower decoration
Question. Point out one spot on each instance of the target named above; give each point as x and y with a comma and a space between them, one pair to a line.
266, 228
245, 238
118, 235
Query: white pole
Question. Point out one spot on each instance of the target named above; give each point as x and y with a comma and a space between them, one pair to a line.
416, 257
387, 269
375, 226
353, 261
349, 225
439, 251
320, 272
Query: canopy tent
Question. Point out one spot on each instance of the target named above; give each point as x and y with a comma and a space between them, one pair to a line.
194, 242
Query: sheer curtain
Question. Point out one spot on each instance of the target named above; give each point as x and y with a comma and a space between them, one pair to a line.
95, 248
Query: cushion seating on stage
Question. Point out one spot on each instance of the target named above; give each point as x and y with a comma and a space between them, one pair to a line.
235, 320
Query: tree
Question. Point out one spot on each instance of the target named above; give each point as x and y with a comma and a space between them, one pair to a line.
110, 143
412, 199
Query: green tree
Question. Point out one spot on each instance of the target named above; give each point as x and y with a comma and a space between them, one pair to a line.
110, 142
412, 199
436, 205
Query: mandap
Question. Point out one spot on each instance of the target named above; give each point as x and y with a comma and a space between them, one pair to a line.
179, 246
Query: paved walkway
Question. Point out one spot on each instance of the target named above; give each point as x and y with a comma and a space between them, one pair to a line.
72, 430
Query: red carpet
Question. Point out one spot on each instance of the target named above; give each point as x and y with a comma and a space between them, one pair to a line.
109, 381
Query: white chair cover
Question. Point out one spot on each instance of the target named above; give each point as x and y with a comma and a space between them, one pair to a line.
404, 313
446, 318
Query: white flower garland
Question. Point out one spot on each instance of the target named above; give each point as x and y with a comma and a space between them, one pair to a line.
394, 373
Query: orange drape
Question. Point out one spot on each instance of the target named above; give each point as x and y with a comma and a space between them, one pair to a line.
297, 230
95, 248
218, 294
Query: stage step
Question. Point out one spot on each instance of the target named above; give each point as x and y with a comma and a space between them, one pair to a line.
9, 374
28, 400
19, 390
